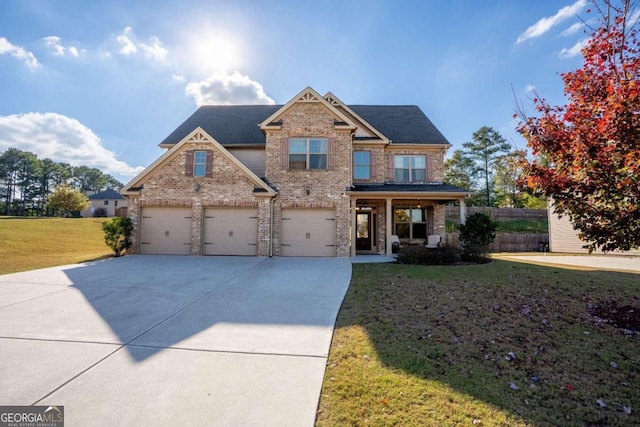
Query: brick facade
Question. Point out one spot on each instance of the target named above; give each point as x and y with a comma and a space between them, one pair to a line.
326, 187
232, 185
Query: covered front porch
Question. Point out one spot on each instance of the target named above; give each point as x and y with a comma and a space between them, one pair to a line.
377, 214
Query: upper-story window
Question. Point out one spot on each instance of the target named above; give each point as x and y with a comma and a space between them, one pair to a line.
410, 168
362, 165
308, 153
199, 163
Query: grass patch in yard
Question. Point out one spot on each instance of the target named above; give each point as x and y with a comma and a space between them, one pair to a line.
506, 343
31, 243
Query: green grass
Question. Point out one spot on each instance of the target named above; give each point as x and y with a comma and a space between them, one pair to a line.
31, 243
428, 346
515, 226
523, 226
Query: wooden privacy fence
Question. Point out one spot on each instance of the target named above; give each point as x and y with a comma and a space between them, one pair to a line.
507, 242
452, 213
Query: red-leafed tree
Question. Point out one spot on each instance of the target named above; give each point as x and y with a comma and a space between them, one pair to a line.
591, 145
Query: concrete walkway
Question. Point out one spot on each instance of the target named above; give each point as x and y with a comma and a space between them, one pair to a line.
163, 340
597, 262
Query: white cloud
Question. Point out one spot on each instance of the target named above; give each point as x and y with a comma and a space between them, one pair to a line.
155, 50
572, 29
545, 24
227, 89
530, 88
177, 77
574, 50
62, 139
24, 55
54, 42
127, 47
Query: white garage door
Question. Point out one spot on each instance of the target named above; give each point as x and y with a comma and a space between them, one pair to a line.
308, 232
231, 231
165, 231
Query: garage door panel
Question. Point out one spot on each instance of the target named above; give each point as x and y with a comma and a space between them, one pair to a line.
308, 232
165, 231
231, 231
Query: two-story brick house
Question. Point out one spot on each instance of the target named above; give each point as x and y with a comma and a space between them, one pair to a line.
313, 177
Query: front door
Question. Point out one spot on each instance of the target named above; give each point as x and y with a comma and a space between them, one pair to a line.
363, 231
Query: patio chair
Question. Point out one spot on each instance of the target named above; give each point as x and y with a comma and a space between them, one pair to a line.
433, 241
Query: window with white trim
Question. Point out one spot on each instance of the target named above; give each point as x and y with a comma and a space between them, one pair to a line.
308, 153
362, 165
410, 168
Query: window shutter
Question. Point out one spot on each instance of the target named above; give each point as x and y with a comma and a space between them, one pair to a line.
430, 220
331, 154
209, 166
390, 171
284, 153
374, 165
188, 165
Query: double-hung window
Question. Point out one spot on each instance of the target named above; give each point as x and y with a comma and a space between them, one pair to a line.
199, 163
410, 168
308, 153
362, 165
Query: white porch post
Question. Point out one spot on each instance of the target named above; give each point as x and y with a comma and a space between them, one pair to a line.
354, 228
388, 227
463, 211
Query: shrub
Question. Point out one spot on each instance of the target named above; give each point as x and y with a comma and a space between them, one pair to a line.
420, 255
100, 213
476, 234
117, 234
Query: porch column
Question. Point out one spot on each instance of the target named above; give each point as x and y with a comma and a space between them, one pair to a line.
354, 228
463, 211
388, 217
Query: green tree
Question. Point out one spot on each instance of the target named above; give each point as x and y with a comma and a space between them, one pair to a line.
508, 170
117, 234
461, 170
484, 150
590, 144
66, 200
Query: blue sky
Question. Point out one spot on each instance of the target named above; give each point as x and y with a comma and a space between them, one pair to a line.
102, 82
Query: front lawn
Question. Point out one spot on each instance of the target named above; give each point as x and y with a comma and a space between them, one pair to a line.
504, 343
31, 243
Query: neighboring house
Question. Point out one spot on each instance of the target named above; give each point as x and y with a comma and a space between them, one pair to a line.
111, 200
564, 238
313, 177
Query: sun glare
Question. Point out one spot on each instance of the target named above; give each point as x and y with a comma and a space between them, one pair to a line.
209, 52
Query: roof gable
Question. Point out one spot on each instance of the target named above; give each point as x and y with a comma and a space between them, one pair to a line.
197, 135
308, 95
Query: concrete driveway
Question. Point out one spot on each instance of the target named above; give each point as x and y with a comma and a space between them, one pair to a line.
164, 340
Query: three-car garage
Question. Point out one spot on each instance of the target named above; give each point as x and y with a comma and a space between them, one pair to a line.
234, 231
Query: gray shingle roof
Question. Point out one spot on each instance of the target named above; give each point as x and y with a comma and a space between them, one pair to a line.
405, 124
239, 124
228, 124
109, 193
427, 188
